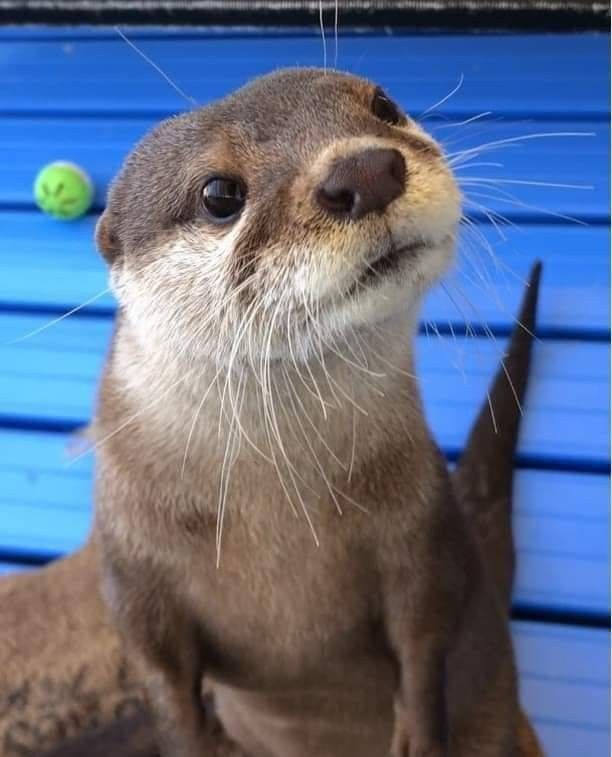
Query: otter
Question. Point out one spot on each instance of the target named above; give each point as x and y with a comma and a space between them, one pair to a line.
272, 513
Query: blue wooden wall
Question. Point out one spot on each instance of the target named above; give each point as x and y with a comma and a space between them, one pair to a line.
542, 101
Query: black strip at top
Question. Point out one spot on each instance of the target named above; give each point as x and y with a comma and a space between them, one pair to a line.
525, 15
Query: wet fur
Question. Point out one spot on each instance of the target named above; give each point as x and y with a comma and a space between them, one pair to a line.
339, 608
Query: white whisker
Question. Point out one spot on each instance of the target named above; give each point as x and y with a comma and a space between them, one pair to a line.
157, 68
195, 420
47, 325
445, 98
479, 164
315, 457
527, 206
130, 419
522, 182
467, 121
323, 40
336, 33
353, 447
488, 146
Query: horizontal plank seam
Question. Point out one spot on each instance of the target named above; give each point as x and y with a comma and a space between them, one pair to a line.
451, 328
523, 461
132, 114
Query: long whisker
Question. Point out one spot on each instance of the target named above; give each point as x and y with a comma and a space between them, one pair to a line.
232, 448
527, 206
445, 98
336, 33
498, 304
513, 140
323, 40
466, 248
149, 405
491, 409
316, 392
47, 325
160, 71
195, 419
319, 435
184, 347
496, 219
523, 182
501, 358
315, 457
467, 121
479, 164
271, 422
467, 134
353, 448
244, 329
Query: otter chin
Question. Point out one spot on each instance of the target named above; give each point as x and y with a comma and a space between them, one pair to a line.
275, 520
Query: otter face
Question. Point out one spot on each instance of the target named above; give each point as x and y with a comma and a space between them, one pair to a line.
303, 205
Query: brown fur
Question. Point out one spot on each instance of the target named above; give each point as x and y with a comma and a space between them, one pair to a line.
63, 671
105, 714
377, 629
70, 691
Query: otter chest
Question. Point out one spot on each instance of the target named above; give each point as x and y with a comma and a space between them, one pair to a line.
283, 608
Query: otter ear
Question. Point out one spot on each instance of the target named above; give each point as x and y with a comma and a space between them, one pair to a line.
106, 239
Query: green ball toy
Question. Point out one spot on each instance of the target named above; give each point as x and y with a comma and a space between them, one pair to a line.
63, 190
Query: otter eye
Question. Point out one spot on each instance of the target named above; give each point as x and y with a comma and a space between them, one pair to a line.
385, 109
223, 198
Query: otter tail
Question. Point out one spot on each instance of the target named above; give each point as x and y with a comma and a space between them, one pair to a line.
483, 476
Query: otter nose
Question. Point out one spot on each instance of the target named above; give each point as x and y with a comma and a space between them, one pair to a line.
362, 183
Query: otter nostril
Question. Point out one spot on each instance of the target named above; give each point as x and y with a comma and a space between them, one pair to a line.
340, 201
363, 183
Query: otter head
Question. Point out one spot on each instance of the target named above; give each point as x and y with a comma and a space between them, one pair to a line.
305, 204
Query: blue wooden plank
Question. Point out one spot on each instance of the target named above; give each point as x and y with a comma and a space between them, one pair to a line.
51, 377
541, 170
44, 500
54, 265
45, 510
578, 162
565, 687
562, 518
566, 411
50, 264
518, 74
562, 524
99, 145
7, 568
489, 279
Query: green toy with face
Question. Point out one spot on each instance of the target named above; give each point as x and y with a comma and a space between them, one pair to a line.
63, 190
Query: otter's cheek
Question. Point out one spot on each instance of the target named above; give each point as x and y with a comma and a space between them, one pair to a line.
429, 209
434, 264
325, 274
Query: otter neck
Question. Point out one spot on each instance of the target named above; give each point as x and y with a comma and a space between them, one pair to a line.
321, 417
